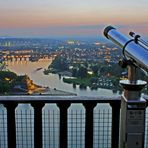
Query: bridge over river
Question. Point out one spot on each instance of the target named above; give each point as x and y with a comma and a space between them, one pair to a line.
28, 55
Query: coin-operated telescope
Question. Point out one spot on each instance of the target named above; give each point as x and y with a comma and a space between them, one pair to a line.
133, 105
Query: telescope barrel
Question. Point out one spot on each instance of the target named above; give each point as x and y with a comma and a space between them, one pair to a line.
131, 50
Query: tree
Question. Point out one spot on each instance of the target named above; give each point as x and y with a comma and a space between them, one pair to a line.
7, 74
5, 87
82, 72
94, 80
74, 72
112, 69
86, 64
59, 63
6, 81
95, 69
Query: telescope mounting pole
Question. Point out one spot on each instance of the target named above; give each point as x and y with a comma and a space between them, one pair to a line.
132, 123
132, 73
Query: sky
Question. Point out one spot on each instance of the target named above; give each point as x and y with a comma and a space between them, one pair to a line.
71, 18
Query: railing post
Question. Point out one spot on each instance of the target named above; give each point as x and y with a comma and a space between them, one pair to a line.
89, 107
38, 124
11, 125
115, 124
63, 124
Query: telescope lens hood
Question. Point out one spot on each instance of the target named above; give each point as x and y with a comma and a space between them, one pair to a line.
107, 29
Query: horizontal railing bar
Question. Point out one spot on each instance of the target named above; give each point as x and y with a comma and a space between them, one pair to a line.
56, 99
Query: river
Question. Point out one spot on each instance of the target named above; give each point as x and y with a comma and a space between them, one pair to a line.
51, 80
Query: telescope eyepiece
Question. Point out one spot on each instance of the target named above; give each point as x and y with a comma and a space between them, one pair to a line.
107, 29
132, 34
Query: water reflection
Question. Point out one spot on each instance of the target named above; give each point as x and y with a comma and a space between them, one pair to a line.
53, 80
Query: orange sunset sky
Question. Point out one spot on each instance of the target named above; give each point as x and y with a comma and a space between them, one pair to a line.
56, 18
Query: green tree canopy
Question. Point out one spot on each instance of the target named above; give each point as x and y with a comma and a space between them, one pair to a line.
82, 72
95, 69
59, 63
6, 81
7, 74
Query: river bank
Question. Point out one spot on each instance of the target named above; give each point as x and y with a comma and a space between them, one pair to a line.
53, 80
44, 91
26, 86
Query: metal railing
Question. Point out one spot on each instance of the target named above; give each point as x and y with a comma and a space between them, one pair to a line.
59, 122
